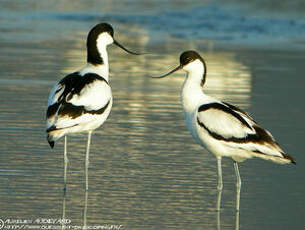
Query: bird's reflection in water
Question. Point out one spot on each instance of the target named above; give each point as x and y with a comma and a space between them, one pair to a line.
237, 220
218, 222
64, 222
85, 210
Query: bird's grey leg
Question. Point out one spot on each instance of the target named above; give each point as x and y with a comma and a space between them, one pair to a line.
238, 185
220, 185
66, 160
87, 158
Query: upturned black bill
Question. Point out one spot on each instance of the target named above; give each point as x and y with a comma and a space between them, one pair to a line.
122, 47
170, 72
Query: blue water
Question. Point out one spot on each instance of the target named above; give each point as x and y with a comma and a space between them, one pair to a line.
211, 20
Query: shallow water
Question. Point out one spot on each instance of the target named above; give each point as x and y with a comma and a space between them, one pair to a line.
146, 172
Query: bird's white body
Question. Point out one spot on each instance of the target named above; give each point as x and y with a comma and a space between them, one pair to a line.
221, 123
93, 96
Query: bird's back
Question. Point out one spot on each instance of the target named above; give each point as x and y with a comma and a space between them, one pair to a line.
78, 103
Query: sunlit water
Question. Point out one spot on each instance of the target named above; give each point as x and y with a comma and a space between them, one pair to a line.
146, 172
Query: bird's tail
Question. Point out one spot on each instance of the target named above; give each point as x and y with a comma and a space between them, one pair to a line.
288, 157
280, 159
53, 135
50, 141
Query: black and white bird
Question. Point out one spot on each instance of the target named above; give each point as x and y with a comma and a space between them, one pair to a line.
81, 101
223, 129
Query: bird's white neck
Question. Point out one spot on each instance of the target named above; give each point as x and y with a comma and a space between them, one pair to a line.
97, 53
191, 93
102, 69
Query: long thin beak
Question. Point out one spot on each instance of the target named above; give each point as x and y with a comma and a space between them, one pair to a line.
170, 72
122, 47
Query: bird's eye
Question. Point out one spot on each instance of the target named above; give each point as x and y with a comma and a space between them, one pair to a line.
188, 60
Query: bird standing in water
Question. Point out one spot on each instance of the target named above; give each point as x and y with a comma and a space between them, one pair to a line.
223, 129
82, 101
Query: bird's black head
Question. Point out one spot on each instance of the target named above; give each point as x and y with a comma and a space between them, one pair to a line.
99, 37
99, 29
189, 56
186, 58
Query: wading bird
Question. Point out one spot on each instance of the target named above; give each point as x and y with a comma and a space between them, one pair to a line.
223, 129
81, 101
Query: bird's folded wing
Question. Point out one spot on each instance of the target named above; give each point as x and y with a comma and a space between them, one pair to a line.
71, 104
92, 96
236, 129
222, 122
55, 93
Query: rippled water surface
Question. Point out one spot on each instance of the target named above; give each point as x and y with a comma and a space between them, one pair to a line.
146, 172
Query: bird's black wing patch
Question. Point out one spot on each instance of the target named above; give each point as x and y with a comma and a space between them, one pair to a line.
259, 135
73, 84
74, 111
225, 109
